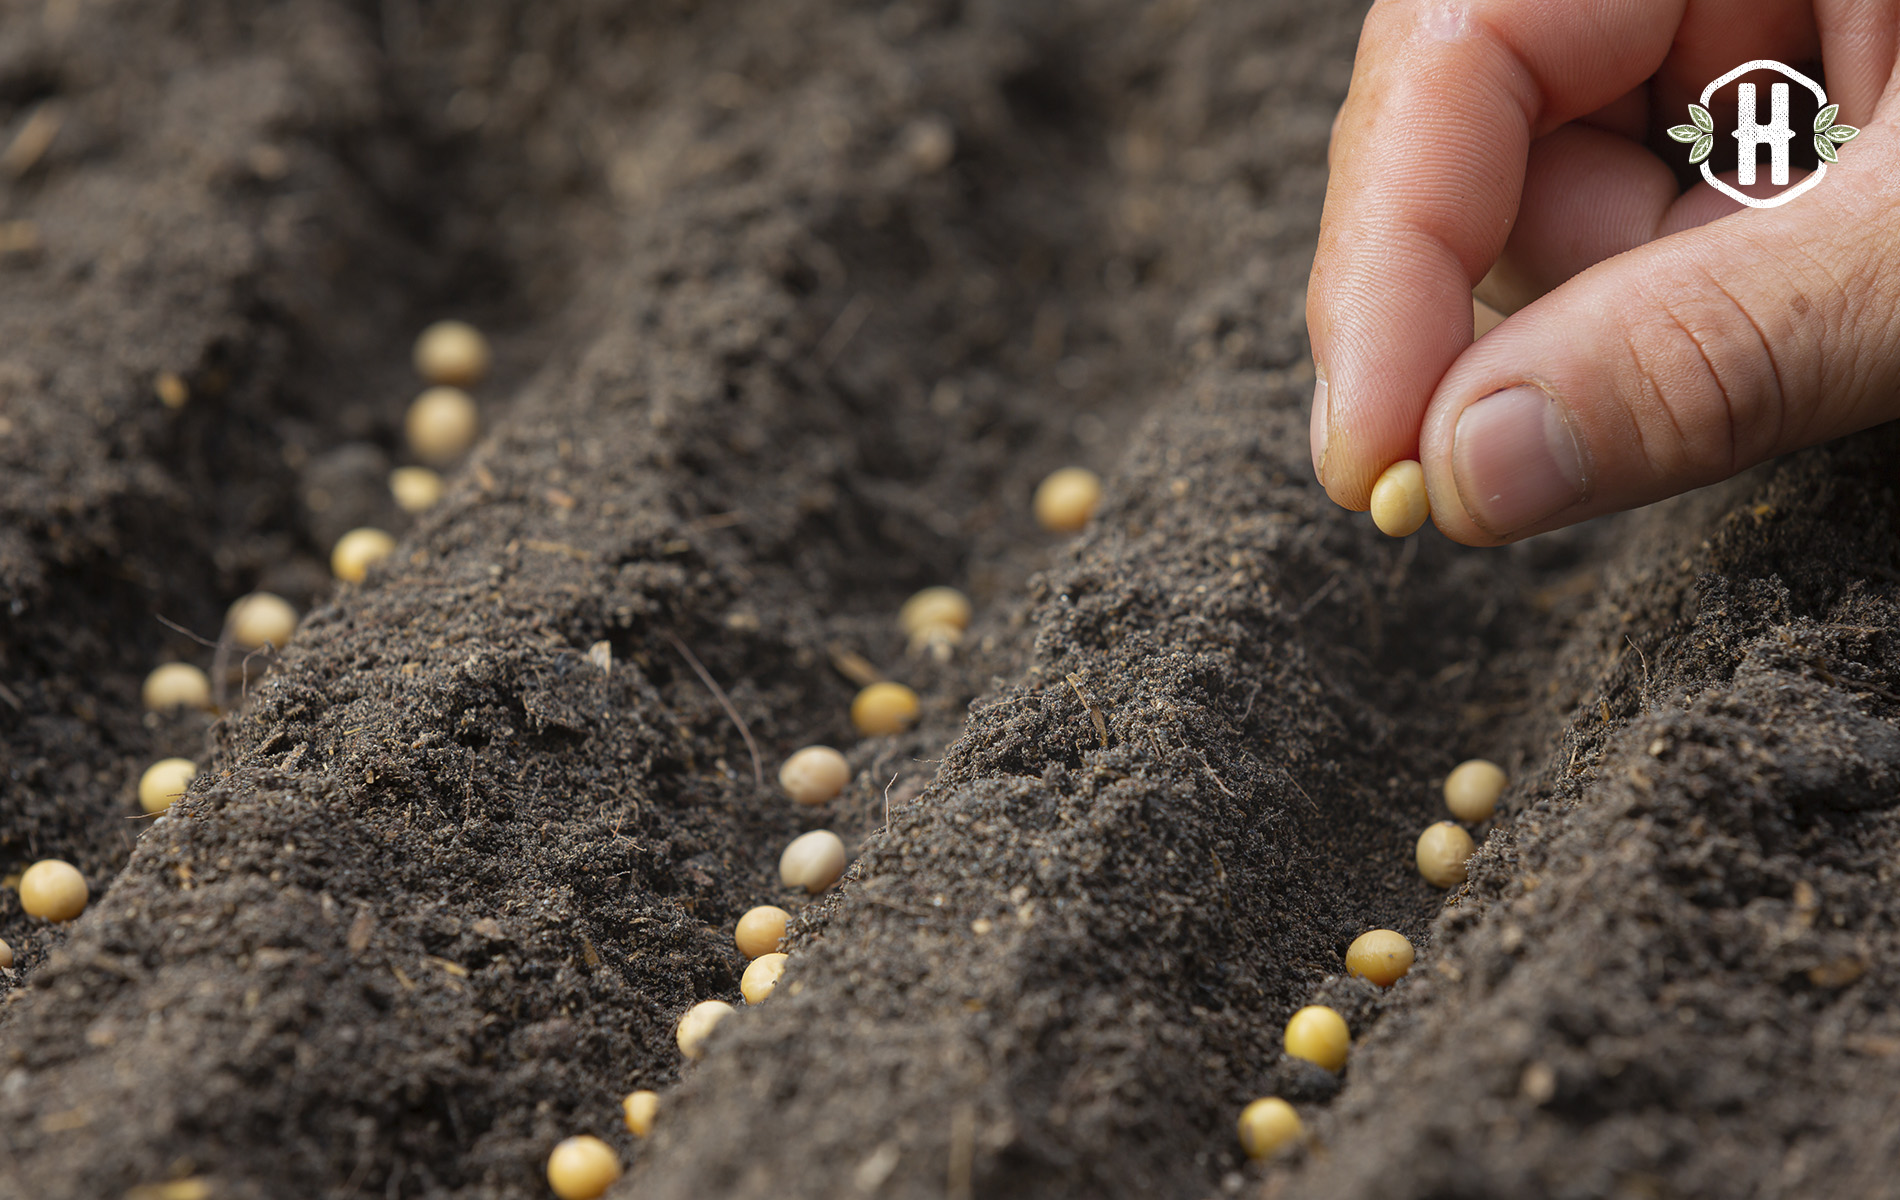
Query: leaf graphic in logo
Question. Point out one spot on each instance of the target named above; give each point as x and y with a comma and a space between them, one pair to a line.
1825, 149
1704, 146
1684, 133
1703, 120
1825, 117
1842, 133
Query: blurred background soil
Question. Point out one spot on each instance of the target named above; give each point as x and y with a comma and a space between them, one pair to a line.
793, 303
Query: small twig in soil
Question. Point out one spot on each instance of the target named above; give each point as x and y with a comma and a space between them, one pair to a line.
852, 665
705, 677
1095, 714
850, 320
887, 803
175, 627
6, 694
1640, 655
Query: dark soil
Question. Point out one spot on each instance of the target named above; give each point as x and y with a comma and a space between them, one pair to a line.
794, 301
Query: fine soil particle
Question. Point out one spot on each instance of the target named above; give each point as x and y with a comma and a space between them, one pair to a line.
793, 304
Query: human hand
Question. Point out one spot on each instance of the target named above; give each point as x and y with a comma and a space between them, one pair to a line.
1655, 348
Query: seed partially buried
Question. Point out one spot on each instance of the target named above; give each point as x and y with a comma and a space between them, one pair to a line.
176, 685
441, 425
1067, 499
639, 1109
1266, 1125
759, 930
1318, 1035
53, 890
884, 708
1442, 853
262, 619
453, 353
813, 861
416, 489
356, 551
582, 1168
165, 781
6, 954
1400, 503
935, 606
1380, 956
761, 976
698, 1024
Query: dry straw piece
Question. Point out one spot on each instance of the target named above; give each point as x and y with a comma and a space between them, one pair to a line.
53, 890
165, 781
1442, 852
441, 425
416, 489
760, 929
581, 1168
1318, 1035
761, 976
1382, 956
453, 353
176, 685
814, 775
884, 708
639, 1109
262, 619
813, 861
698, 1024
1067, 499
1400, 505
357, 550
1472, 789
1266, 1125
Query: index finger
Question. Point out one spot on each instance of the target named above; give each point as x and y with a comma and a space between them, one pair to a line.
1427, 169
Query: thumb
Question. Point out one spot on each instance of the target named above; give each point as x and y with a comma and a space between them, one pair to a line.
1679, 363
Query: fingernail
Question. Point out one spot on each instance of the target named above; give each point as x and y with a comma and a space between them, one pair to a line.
1515, 460
1317, 427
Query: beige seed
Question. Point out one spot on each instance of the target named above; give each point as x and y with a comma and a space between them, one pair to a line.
814, 775
639, 1109
761, 976
1381, 956
1266, 1125
442, 424
760, 929
262, 619
884, 708
1442, 851
1318, 1035
165, 781
1472, 789
171, 390
1400, 505
1067, 499
582, 1168
6, 954
357, 550
54, 890
452, 352
698, 1023
935, 606
176, 685
416, 489
813, 861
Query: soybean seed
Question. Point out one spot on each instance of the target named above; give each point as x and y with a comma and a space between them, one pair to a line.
356, 550
699, 1022
54, 890
452, 352
1382, 956
165, 781
932, 607
176, 685
1266, 1125
1318, 1035
441, 425
1472, 789
639, 1109
760, 929
1400, 504
761, 976
813, 861
6, 954
814, 775
884, 708
262, 619
1442, 851
582, 1168
416, 489
1067, 499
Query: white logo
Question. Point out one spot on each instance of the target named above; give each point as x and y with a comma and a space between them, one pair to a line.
1752, 135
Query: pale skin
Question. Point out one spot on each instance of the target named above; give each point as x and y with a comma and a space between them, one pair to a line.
1668, 340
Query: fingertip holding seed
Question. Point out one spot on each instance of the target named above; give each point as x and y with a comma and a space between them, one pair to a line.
813, 861
1318, 1035
759, 930
262, 619
1472, 789
1067, 499
1442, 853
1380, 956
639, 1109
441, 425
416, 489
453, 353
698, 1023
814, 775
582, 1168
53, 890
356, 551
176, 685
884, 708
761, 976
935, 606
1267, 1125
165, 781
1400, 504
